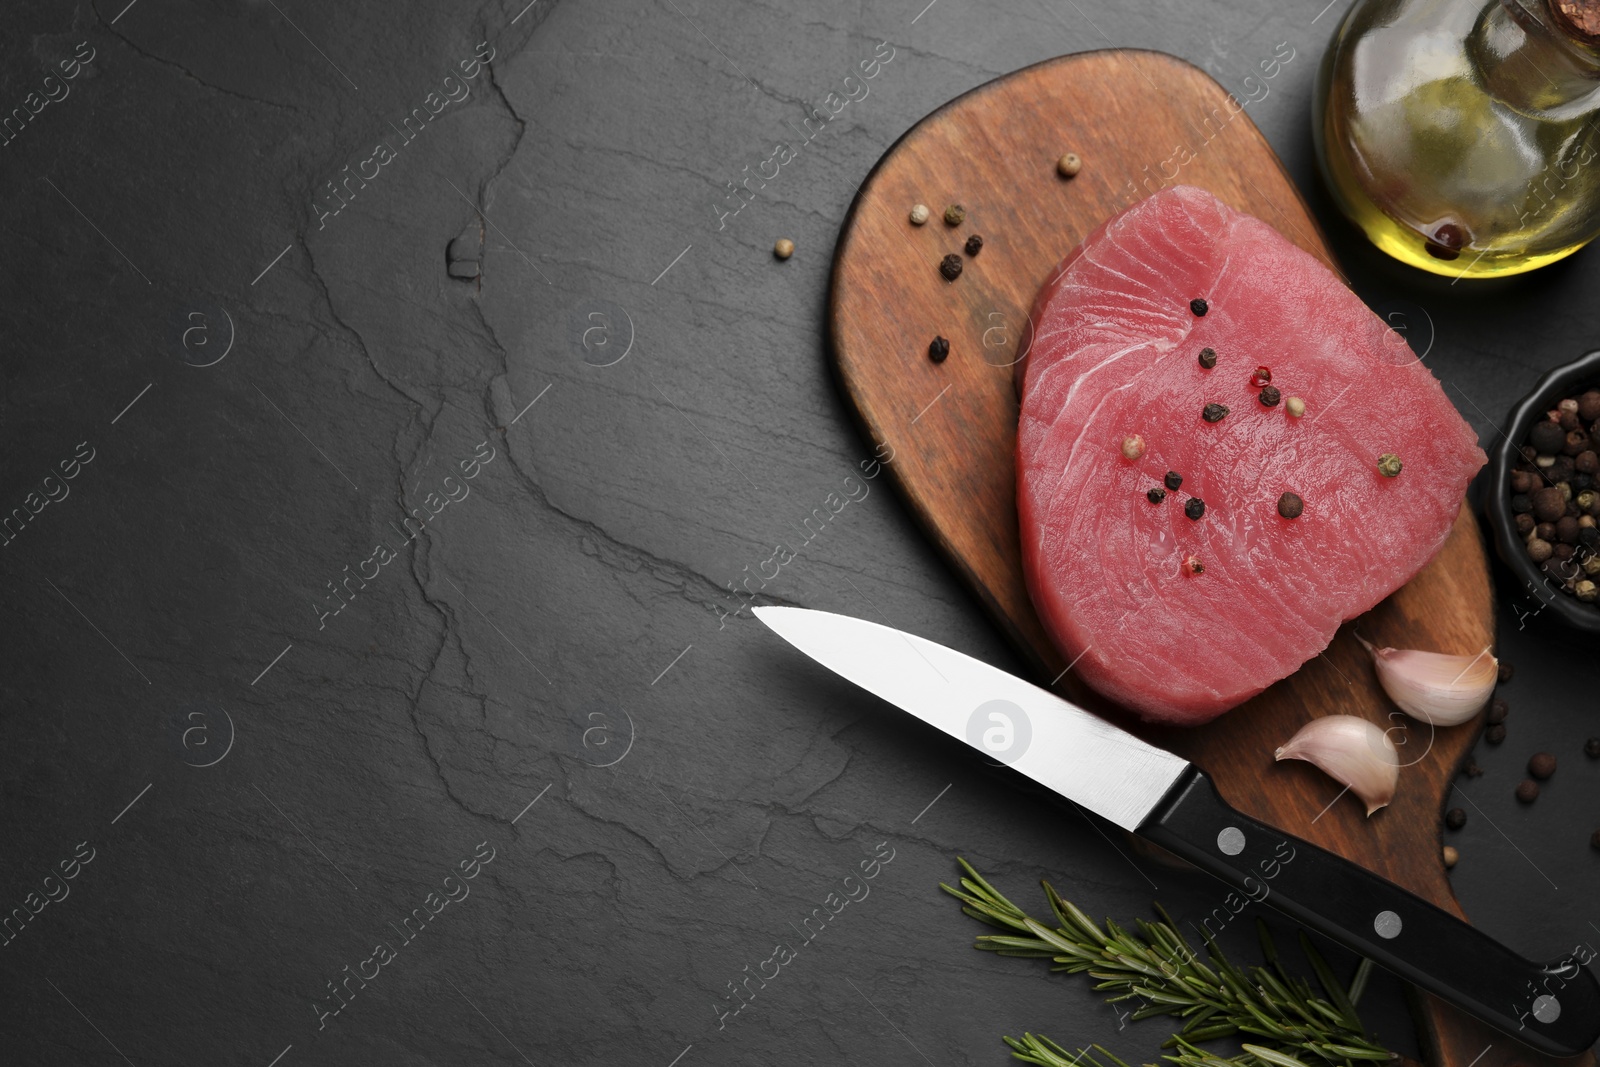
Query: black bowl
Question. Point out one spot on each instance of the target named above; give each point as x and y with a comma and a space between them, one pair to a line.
1541, 597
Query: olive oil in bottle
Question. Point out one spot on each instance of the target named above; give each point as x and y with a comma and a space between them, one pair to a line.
1462, 137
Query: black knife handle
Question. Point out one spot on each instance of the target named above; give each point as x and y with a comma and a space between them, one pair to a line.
1552, 1007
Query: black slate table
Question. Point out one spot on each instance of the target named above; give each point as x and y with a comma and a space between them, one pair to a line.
374, 688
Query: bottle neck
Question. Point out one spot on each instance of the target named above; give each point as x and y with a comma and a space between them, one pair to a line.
1534, 59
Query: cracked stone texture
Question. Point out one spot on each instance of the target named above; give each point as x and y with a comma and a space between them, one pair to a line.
562, 633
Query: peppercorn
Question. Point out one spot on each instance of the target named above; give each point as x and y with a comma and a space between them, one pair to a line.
1521, 503
1542, 765
784, 248
1559, 469
919, 214
1567, 530
1548, 504
1269, 396
1545, 531
1455, 818
1495, 734
1523, 523
1389, 465
1295, 406
1261, 377
950, 267
1591, 748
974, 245
1156, 495
1568, 420
1563, 552
1567, 406
1589, 405
1069, 165
1523, 482
1547, 437
1498, 710
1587, 461
1214, 412
955, 215
1576, 444
1172, 480
1586, 591
1539, 550
938, 349
1193, 565
1506, 672
1472, 770
1132, 446
1290, 506
1527, 791
1194, 507
1594, 840
1208, 358
1199, 306
1450, 856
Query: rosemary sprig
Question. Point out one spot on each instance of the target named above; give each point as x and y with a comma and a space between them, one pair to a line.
1156, 966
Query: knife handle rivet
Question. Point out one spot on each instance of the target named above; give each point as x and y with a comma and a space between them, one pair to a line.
1387, 924
1230, 842
1546, 1009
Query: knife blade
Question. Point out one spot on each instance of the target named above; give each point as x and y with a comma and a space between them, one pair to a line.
1553, 1007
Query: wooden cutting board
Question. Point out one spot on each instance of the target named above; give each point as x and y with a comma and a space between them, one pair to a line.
1138, 120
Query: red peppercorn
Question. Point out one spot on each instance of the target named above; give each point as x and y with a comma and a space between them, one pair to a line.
1262, 376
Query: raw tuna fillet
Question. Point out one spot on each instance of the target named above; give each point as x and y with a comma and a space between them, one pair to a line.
1115, 354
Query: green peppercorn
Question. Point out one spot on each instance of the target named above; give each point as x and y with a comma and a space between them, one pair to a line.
1389, 465
955, 215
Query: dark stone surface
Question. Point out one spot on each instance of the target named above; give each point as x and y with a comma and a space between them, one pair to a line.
300, 380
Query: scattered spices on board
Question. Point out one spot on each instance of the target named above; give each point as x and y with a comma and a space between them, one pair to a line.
950, 267
1214, 412
1495, 734
1156, 495
1455, 818
1269, 396
1498, 710
919, 214
1450, 856
1194, 507
1208, 358
1591, 748
1193, 565
1262, 376
1199, 306
1527, 791
938, 349
974, 245
784, 248
1069, 165
1542, 765
1173, 480
1132, 446
1472, 770
955, 215
1290, 506
1389, 465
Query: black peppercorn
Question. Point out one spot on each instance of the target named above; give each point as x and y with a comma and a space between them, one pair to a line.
1290, 506
1198, 306
950, 267
1194, 507
1269, 396
1591, 748
1547, 437
1156, 495
1498, 710
1208, 358
974, 245
1172, 480
1542, 765
1594, 840
1495, 734
1521, 504
1506, 671
938, 349
1472, 770
1527, 791
1455, 818
1214, 412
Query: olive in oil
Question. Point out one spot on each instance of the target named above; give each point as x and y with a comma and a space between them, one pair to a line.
1462, 137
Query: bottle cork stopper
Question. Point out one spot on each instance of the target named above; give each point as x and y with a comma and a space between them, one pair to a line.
1579, 17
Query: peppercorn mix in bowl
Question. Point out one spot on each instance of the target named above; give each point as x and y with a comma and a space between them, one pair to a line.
1543, 501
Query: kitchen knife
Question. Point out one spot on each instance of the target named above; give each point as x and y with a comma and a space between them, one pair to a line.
1553, 1007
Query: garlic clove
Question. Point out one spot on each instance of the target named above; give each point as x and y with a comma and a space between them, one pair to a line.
1351, 750
1436, 688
